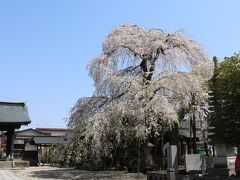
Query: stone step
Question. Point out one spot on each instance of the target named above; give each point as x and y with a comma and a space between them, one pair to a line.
218, 171
15, 163
20, 163
6, 164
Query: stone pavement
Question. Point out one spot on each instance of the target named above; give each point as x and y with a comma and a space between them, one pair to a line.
6, 174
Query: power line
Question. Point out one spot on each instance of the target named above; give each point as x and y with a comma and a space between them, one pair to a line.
39, 101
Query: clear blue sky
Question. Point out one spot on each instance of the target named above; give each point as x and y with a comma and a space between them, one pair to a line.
45, 45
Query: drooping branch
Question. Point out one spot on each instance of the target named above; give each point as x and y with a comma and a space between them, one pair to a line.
137, 73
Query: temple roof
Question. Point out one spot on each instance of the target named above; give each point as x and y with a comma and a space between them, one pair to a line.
14, 113
29, 133
49, 140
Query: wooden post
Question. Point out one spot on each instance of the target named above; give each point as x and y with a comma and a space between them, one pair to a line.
138, 157
190, 137
194, 133
10, 143
39, 154
162, 152
171, 174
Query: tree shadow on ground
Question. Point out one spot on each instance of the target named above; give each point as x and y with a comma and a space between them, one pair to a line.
83, 175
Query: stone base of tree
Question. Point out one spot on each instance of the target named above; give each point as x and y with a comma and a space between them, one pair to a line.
218, 171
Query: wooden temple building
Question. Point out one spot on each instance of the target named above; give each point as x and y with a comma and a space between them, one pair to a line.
24, 147
12, 116
34, 145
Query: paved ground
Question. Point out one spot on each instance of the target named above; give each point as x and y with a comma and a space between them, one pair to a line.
8, 175
53, 173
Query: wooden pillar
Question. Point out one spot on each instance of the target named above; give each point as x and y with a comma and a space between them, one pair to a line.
174, 135
10, 143
39, 155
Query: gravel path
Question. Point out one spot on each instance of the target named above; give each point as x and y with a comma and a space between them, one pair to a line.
54, 173
6, 174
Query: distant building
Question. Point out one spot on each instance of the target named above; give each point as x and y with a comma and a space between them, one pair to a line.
34, 145
55, 136
25, 147
53, 131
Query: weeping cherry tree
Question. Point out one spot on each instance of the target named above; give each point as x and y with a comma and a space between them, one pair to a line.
143, 78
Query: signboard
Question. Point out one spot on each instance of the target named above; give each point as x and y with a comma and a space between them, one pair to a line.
30, 148
18, 141
194, 162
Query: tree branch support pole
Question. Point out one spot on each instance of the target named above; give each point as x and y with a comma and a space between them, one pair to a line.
138, 157
162, 152
194, 133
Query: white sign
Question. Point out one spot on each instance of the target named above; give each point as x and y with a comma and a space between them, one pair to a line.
18, 141
30, 148
194, 162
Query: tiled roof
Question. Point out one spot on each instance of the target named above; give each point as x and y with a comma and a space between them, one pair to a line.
51, 129
12, 112
49, 140
30, 132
